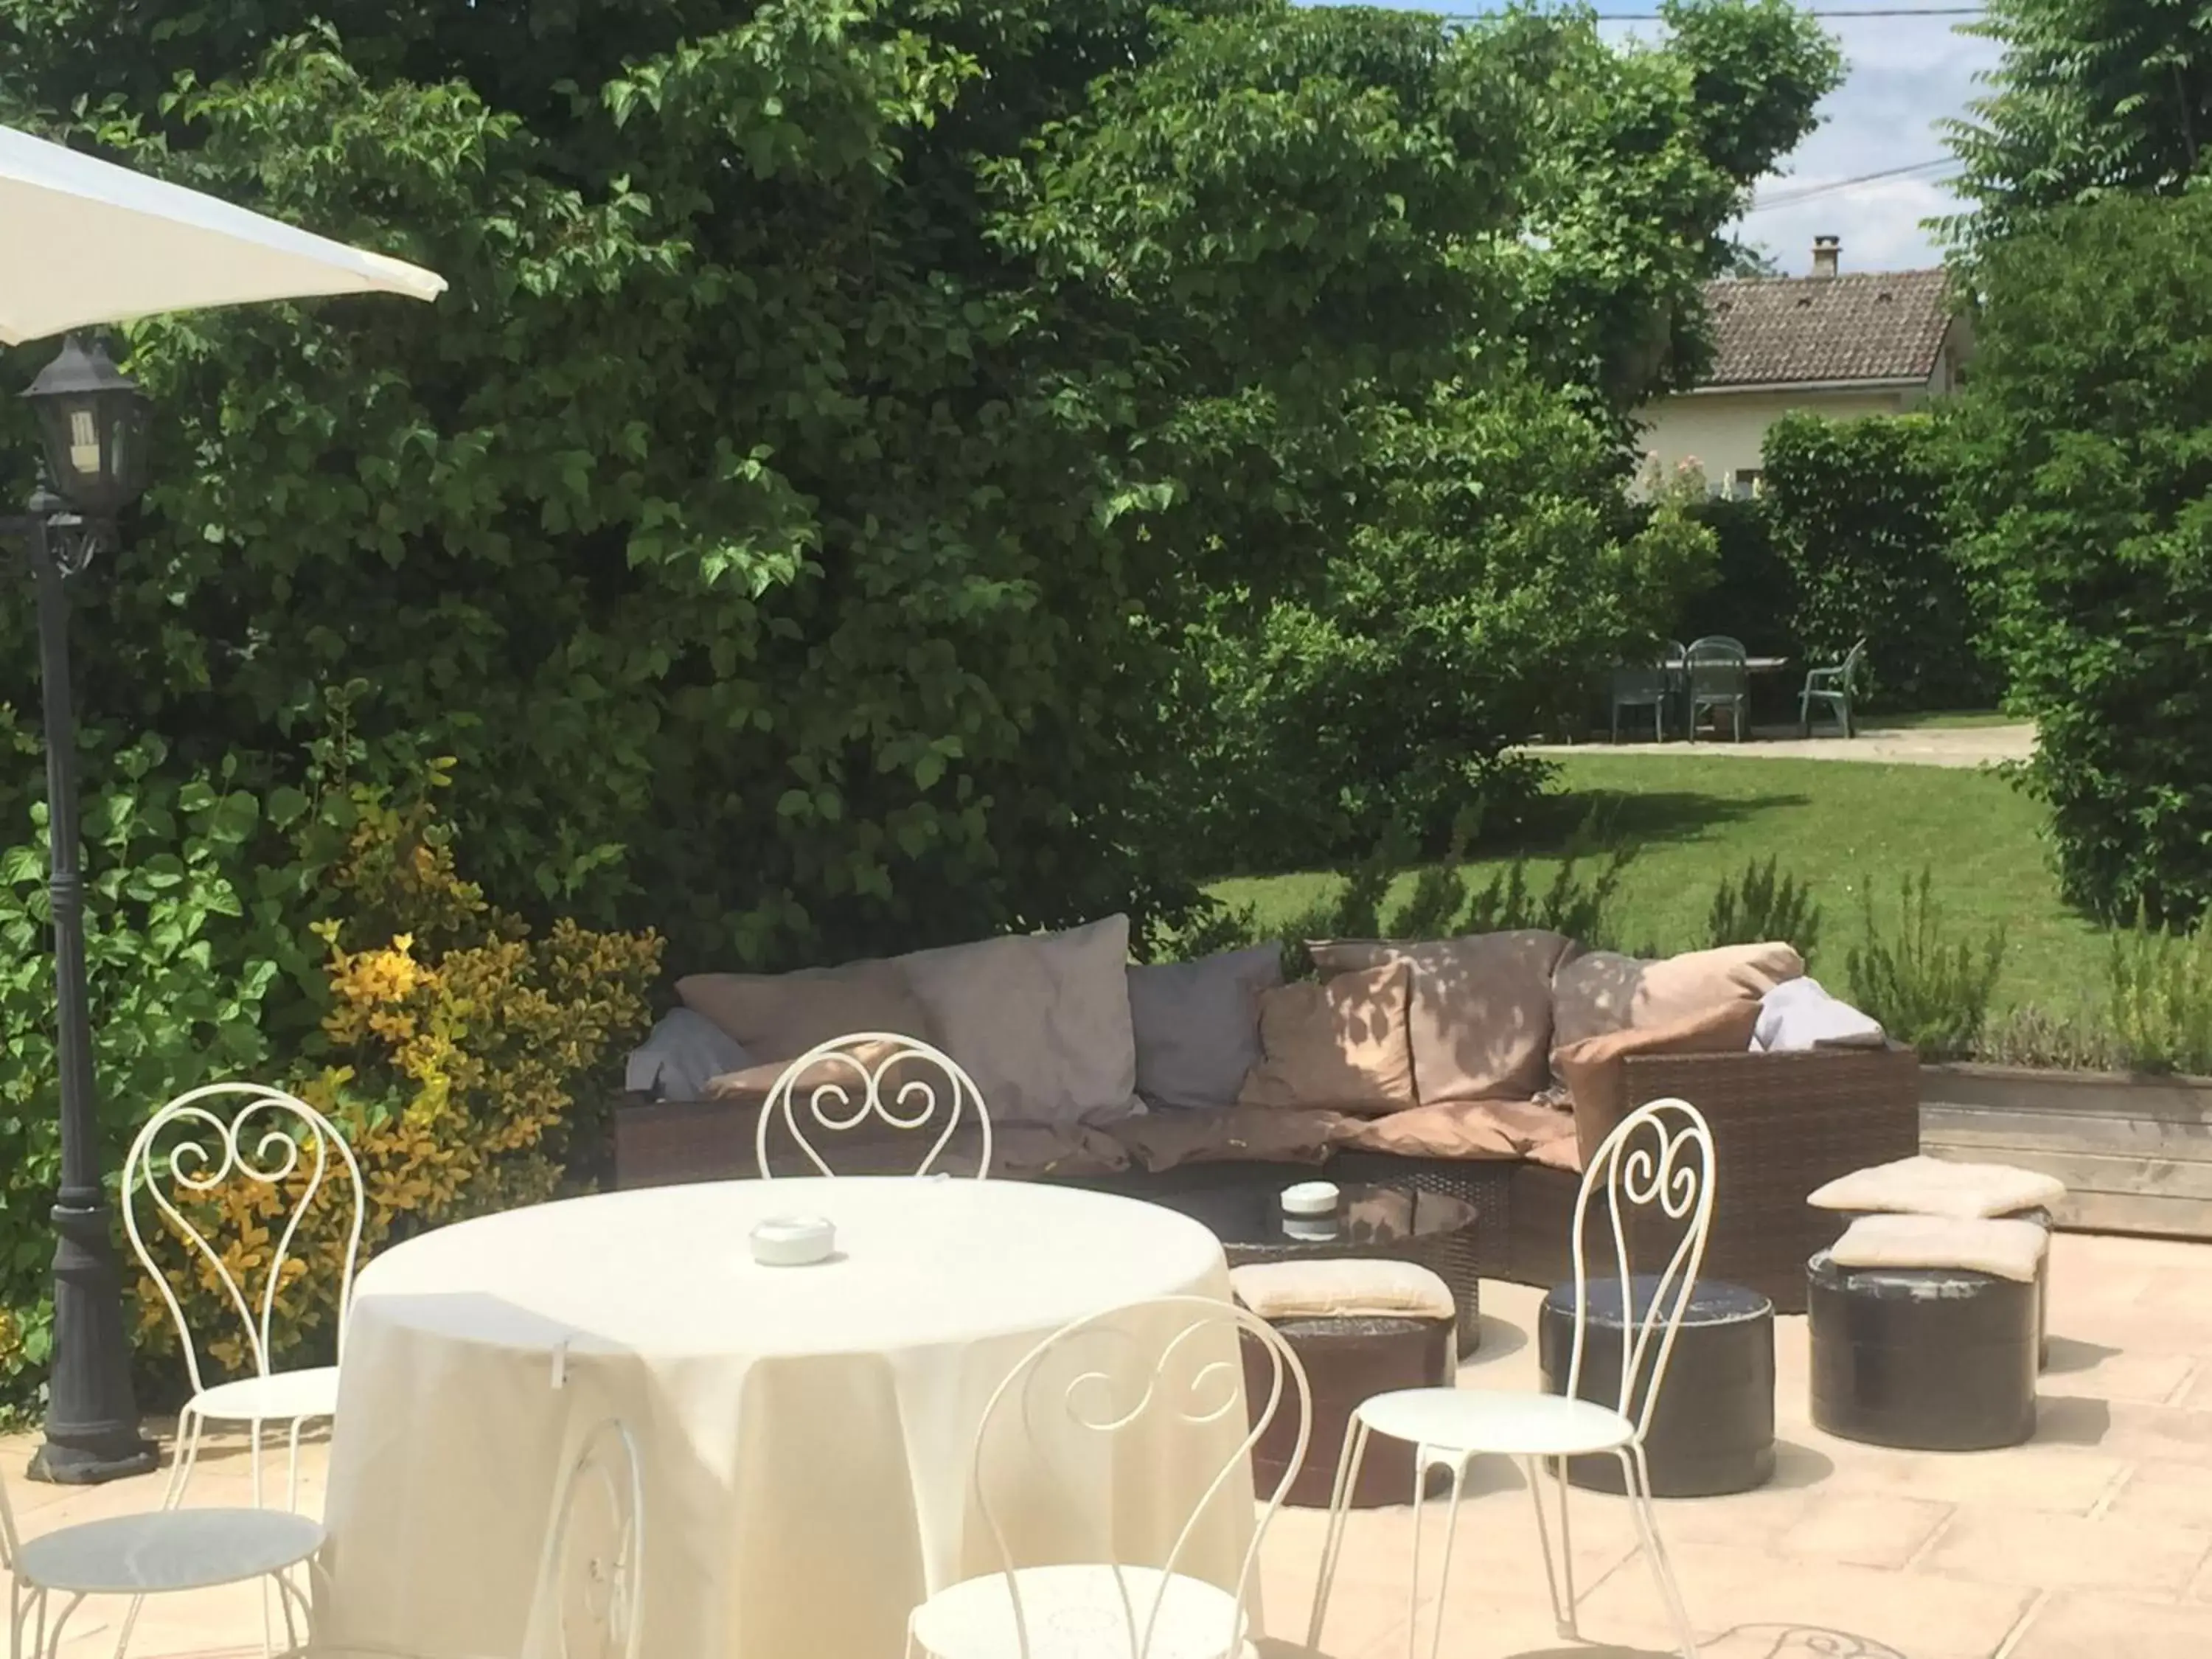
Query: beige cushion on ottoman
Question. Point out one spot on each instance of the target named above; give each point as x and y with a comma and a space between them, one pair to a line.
1345, 1286
1932, 1186
2004, 1249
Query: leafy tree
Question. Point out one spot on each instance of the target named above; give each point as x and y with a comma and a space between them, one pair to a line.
2085, 441
804, 527
2089, 97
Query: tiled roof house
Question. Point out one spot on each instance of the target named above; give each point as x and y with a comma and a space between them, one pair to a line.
1835, 343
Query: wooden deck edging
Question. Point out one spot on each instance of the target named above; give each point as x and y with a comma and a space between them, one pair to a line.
2134, 1151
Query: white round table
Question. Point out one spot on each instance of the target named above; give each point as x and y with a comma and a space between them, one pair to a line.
806, 1432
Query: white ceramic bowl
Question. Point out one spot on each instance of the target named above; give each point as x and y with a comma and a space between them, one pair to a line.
793, 1241
1310, 1197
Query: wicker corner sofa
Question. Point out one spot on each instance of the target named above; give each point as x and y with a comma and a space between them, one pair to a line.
1782, 1124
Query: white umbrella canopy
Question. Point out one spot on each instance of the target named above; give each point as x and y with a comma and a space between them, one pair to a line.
83, 241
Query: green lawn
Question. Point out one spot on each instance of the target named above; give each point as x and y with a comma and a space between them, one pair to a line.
1835, 824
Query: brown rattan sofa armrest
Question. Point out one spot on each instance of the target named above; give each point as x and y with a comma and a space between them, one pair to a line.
1783, 1125
666, 1143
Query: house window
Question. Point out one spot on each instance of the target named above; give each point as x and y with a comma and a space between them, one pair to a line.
1747, 483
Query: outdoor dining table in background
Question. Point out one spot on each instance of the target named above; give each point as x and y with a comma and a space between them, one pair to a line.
806, 1432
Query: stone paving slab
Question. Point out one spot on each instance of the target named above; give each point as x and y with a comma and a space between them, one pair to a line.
2093, 1541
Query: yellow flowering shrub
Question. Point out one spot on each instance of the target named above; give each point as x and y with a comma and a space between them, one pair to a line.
455, 1055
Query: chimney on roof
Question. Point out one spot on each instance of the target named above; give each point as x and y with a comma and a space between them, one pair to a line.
1826, 251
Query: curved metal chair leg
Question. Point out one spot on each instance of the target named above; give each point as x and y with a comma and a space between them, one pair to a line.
1535, 1476
1339, 1505
1414, 1572
1567, 1548
296, 1630
52, 1635
1451, 1533
1638, 1481
1560, 1583
182, 1460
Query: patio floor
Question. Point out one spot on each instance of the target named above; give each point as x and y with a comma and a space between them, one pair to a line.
2094, 1541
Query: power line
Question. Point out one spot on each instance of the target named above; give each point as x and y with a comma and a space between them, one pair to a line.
1933, 168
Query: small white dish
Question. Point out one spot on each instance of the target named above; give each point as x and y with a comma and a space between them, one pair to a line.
794, 1241
1319, 1229
1310, 1199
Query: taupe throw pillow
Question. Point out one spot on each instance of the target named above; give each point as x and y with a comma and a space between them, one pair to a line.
1197, 1025
1480, 1015
1040, 1021
1338, 1044
779, 1017
1595, 1070
1607, 991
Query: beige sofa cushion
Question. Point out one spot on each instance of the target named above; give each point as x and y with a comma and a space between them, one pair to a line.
2008, 1249
1479, 1016
1605, 992
1261, 1134
1040, 1021
1500, 1130
1596, 1069
1338, 1045
779, 1017
1342, 1288
1931, 1186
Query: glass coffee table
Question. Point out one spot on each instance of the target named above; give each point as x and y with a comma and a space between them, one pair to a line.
1394, 1224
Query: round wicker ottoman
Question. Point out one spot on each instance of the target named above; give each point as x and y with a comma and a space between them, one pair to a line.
1932, 1358
1712, 1429
1360, 1328
2042, 1218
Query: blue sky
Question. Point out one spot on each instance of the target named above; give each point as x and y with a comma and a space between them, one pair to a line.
1903, 75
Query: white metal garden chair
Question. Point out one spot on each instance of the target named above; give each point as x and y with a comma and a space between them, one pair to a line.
193, 1147
1176, 1363
1661, 1156
584, 1602
867, 1077
167, 1552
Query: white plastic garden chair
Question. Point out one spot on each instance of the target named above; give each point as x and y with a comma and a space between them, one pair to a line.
900, 1081
166, 1552
584, 1602
1173, 1363
1661, 1156
272, 1140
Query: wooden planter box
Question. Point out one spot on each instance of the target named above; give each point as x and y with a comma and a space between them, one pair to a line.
2135, 1152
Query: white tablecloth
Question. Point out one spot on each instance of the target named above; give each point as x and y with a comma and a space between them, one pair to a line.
806, 1432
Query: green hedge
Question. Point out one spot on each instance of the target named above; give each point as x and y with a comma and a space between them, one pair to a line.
1857, 510
2086, 445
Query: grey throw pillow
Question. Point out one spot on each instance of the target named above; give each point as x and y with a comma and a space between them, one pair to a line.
680, 1054
1198, 1025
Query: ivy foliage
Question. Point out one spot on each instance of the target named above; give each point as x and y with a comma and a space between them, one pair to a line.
2086, 451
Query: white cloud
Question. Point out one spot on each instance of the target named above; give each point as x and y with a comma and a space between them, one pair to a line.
1906, 75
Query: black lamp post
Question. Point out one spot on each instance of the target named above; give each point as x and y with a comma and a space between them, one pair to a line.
93, 422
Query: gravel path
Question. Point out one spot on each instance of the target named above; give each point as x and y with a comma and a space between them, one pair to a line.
1947, 745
